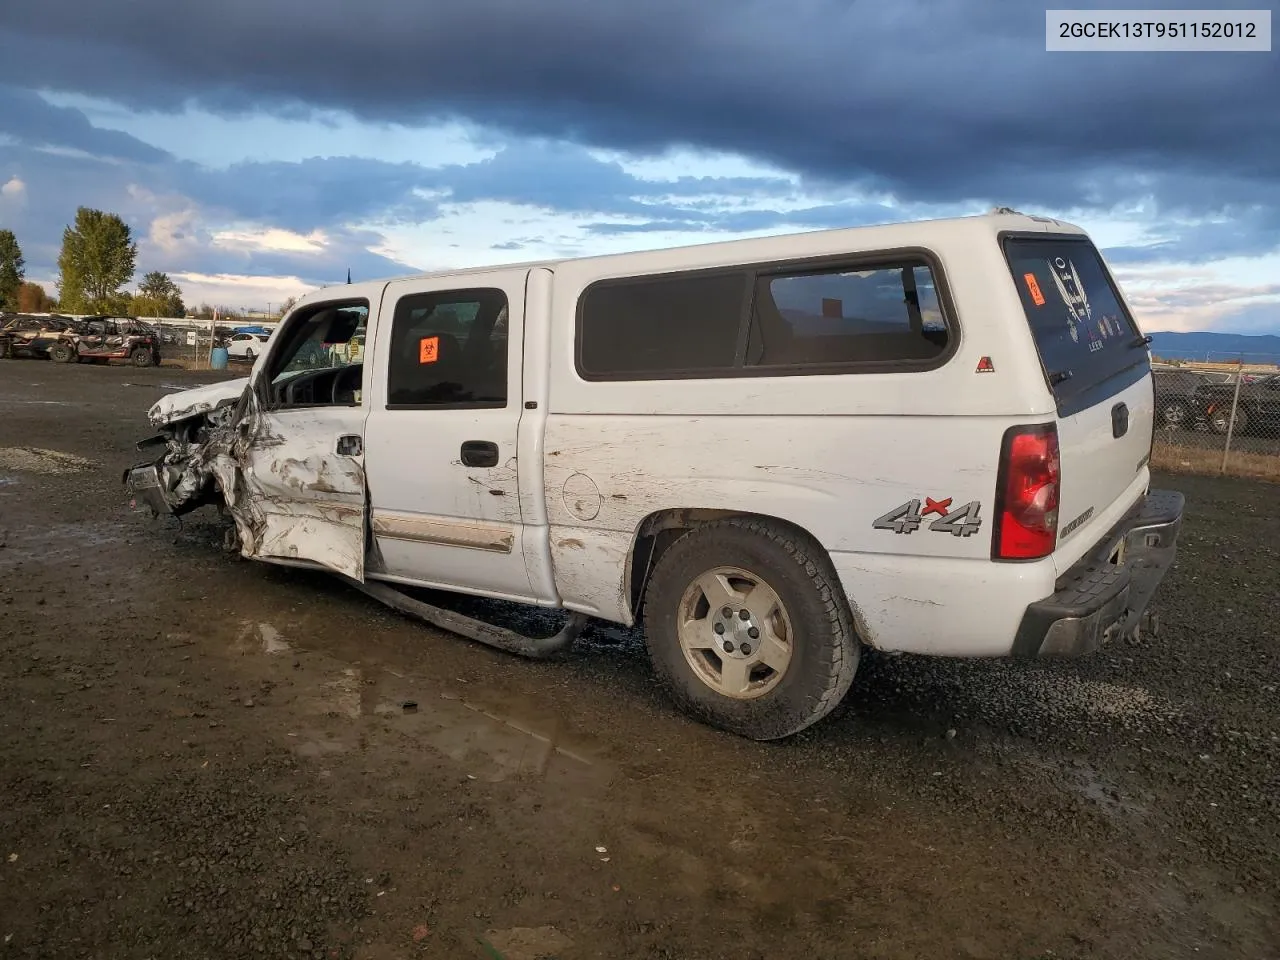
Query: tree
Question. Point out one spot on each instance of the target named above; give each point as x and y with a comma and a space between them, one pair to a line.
33, 299
11, 270
287, 305
97, 259
158, 296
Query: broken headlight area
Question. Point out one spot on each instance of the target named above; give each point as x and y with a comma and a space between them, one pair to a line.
182, 479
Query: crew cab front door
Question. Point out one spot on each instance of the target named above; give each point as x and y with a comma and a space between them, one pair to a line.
302, 453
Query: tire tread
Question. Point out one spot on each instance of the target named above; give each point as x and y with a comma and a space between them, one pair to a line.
837, 658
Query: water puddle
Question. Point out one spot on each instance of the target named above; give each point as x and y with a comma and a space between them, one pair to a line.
1095, 787
260, 638
493, 746
489, 745
1086, 781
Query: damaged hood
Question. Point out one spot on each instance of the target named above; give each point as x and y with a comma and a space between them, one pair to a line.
189, 403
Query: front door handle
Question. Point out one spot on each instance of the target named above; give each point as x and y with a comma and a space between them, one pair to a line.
350, 445
479, 453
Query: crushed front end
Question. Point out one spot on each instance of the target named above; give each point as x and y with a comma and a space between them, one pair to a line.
197, 433
182, 479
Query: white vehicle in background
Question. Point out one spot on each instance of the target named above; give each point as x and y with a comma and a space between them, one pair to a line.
247, 346
927, 438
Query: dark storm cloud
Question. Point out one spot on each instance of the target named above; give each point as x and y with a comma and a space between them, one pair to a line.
934, 100
312, 193
28, 119
59, 153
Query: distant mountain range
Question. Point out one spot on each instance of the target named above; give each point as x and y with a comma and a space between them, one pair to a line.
1220, 347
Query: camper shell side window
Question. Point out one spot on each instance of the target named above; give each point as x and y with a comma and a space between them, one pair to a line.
884, 312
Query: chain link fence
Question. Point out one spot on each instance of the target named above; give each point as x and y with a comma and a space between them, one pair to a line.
1218, 418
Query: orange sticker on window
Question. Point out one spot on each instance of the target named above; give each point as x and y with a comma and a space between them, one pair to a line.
428, 349
1034, 288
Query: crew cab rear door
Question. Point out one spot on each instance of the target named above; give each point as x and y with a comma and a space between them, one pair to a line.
1098, 368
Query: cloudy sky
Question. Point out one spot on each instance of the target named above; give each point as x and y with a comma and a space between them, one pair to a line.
259, 148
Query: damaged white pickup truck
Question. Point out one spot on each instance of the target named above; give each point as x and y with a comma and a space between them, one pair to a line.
929, 437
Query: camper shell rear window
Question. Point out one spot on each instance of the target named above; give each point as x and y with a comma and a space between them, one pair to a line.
1088, 343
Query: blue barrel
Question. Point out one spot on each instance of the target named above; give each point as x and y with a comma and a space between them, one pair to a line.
218, 358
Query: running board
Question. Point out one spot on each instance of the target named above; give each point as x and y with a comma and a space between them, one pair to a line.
536, 648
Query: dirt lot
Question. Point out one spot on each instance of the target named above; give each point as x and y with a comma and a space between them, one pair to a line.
206, 757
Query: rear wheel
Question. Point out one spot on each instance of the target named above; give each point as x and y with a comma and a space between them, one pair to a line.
141, 357
748, 629
62, 353
249, 355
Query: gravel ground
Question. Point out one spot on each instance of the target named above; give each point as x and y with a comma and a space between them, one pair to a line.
206, 757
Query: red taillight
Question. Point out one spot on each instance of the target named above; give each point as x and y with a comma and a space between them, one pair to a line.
1026, 526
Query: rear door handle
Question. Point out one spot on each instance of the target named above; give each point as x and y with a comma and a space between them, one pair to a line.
350, 445
479, 453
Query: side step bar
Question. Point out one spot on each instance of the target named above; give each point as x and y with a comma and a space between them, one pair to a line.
535, 648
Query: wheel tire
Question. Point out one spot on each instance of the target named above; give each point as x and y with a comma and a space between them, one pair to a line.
1175, 414
823, 645
62, 353
141, 358
249, 355
1220, 421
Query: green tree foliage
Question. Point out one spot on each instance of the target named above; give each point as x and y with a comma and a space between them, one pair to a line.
158, 296
33, 299
12, 270
97, 259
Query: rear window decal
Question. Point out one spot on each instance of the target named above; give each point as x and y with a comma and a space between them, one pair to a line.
428, 350
1067, 280
1034, 289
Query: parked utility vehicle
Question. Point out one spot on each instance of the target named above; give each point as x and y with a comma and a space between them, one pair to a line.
96, 339
928, 437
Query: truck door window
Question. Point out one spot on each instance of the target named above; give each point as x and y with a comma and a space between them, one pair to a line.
448, 349
313, 365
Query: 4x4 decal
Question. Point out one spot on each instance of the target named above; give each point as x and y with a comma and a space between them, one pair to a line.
963, 521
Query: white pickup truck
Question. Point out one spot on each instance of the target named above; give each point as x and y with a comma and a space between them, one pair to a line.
927, 437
